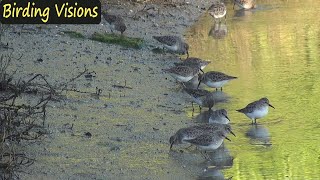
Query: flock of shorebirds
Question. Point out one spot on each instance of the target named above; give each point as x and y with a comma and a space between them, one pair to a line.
211, 135
208, 136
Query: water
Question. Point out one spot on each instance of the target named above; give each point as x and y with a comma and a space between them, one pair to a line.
274, 52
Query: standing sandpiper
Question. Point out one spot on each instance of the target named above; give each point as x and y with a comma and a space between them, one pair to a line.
197, 95
245, 4
209, 141
192, 61
174, 43
214, 79
218, 10
192, 132
256, 109
115, 22
183, 73
219, 116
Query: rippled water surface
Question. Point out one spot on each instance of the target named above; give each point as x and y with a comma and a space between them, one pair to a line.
274, 52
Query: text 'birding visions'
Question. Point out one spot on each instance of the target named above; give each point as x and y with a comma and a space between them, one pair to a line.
50, 11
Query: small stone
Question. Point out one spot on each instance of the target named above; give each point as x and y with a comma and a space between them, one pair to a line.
88, 134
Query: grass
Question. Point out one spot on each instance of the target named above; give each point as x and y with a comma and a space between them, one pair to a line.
129, 42
124, 41
74, 34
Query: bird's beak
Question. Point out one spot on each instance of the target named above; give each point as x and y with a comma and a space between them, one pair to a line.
171, 145
227, 138
233, 133
271, 106
201, 70
227, 118
199, 84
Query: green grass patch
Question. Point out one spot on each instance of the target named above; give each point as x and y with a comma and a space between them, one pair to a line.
129, 42
74, 34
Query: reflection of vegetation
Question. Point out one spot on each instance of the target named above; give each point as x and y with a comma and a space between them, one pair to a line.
118, 39
74, 34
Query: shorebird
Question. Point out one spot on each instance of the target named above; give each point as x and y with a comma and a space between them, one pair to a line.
115, 22
174, 44
218, 10
245, 4
214, 79
206, 98
183, 73
208, 141
192, 132
197, 95
219, 116
192, 61
256, 109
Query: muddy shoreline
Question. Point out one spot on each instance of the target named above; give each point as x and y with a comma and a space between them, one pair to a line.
130, 127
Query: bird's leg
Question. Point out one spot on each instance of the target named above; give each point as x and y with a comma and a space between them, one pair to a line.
221, 88
200, 108
205, 155
255, 121
216, 89
189, 146
233, 5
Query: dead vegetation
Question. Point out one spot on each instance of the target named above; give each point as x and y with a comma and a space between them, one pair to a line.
23, 105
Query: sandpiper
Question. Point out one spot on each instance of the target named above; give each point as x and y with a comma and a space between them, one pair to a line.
115, 22
209, 141
192, 132
218, 10
256, 109
183, 73
192, 61
214, 79
219, 116
245, 4
174, 44
206, 98
197, 95
226, 128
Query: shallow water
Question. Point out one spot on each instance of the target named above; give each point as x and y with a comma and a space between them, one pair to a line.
274, 52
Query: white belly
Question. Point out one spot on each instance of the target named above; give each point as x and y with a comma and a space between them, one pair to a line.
258, 113
213, 146
218, 84
247, 6
181, 78
172, 48
220, 120
220, 15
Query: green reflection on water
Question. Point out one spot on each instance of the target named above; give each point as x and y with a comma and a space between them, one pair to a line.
274, 51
